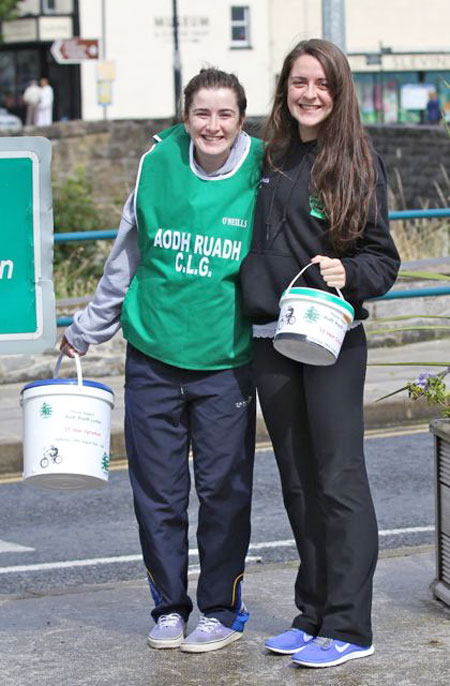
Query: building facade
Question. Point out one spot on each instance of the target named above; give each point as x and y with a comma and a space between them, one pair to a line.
399, 51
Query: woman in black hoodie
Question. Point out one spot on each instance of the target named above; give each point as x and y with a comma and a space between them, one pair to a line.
322, 199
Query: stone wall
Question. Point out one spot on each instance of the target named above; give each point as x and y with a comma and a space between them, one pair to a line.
417, 157
418, 163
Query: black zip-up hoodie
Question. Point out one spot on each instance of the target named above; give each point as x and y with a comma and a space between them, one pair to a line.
290, 229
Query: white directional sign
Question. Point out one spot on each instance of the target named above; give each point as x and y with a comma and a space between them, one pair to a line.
75, 50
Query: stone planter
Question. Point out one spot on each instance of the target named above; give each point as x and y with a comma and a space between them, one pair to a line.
440, 428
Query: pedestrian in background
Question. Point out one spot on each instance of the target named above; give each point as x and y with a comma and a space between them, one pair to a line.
434, 114
45, 105
323, 199
172, 283
31, 98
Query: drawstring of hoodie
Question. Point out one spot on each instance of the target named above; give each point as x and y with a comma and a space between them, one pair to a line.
285, 209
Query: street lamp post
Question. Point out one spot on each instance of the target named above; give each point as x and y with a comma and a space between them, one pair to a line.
105, 109
333, 22
176, 61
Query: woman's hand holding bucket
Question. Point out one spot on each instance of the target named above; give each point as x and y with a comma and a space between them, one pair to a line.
332, 270
68, 350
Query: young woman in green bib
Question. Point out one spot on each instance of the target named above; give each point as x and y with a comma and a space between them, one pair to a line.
172, 284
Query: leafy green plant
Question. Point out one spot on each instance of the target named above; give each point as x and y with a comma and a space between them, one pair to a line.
77, 266
433, 389
73, 205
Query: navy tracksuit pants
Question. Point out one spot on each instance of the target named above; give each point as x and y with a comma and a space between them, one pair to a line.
314, 416
167, 409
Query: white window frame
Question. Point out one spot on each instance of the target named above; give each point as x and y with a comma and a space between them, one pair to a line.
241, 23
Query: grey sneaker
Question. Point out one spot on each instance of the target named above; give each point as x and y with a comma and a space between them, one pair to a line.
209, 635
168, 632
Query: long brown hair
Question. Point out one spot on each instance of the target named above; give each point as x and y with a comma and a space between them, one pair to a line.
342, 175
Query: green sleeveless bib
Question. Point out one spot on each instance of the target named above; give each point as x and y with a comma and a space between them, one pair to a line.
183, 306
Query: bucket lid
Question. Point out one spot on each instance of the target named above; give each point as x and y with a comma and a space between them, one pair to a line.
322, 295
67, 382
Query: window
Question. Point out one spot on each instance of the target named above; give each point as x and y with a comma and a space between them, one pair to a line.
240, 27
384, 98
57, 6
39, 7
49, 6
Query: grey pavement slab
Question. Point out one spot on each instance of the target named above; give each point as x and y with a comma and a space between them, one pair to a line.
97, 636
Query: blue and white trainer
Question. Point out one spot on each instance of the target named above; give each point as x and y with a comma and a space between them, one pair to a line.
288, 642
329, 652
209, 634
168, 631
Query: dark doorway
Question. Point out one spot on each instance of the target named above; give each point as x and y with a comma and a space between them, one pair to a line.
22, 63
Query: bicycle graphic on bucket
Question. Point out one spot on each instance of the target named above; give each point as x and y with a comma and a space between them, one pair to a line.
289, 317
51, 455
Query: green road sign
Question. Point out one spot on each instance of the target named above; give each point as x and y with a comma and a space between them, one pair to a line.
27, 303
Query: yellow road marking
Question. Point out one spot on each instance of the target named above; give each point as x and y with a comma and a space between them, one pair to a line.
262, 446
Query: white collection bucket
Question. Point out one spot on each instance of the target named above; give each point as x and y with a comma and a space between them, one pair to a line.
312, 324
66, 432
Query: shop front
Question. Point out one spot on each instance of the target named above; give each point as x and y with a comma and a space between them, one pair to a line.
402, 88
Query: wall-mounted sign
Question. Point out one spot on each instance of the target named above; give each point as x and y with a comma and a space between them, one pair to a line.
106, 70
20, 30
399, 62
27, 311
104, 93
414, 96
191, 29
75, 50
55, 28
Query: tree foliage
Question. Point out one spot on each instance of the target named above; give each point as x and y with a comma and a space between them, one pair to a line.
77, 266
8, 9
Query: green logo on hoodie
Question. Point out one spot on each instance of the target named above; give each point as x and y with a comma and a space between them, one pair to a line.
316, 207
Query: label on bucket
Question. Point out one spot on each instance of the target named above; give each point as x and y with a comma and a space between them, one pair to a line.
311, 321
66, 434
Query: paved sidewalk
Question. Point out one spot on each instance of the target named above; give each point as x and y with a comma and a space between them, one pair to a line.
381, 380
96, 636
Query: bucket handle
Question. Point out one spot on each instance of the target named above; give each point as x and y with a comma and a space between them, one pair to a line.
78, 365
299, 275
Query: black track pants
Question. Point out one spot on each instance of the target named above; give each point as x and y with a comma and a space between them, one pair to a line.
314, 416
166, 409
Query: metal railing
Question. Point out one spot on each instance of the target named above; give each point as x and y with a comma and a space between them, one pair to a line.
394, 294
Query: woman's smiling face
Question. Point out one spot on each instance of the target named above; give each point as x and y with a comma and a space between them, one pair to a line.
309, 99
213, 122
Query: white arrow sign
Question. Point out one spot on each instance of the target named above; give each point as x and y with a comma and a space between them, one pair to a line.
75, 50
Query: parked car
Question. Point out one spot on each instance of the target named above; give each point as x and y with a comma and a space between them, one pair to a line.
9, 122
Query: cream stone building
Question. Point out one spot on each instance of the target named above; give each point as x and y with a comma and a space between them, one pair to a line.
399, 51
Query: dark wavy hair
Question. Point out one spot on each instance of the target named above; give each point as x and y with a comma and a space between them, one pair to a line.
214, 78
343, 175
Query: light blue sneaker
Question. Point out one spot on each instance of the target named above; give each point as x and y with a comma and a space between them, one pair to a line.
168, 631
328, 652
209, 634
288, 642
